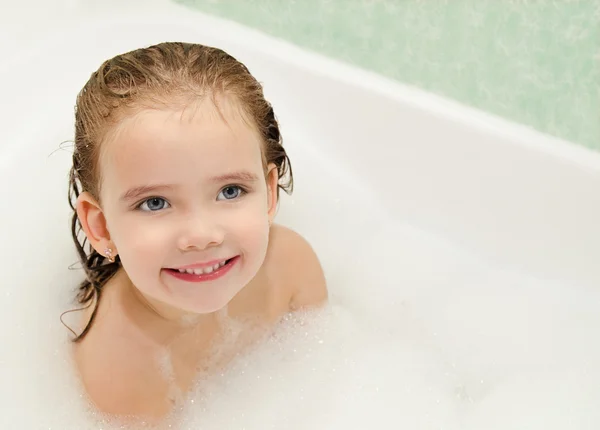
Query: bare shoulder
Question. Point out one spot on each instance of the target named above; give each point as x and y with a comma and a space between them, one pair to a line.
116, 372
119, 379
297, 268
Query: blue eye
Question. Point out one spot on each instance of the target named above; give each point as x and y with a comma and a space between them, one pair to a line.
230, 192
154, 204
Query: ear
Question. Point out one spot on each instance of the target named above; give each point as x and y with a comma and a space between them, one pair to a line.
93, 223
272, 179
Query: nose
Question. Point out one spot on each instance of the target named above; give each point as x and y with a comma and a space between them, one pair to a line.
199, 232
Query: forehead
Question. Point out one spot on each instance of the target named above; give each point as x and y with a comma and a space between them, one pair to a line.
180, 144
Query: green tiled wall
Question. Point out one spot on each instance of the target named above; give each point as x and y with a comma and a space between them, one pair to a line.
534, 62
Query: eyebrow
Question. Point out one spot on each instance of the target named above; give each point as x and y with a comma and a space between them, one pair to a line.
136, 192
241, 176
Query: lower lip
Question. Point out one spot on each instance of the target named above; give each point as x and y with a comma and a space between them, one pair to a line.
191, 277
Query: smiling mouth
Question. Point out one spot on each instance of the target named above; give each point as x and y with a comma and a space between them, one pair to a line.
208, 273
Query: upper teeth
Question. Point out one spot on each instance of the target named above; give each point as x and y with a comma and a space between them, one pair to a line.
204, 270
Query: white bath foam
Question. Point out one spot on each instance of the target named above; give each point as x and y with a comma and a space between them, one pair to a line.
327, 370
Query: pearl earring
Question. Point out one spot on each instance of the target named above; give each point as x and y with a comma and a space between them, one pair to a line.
108, 253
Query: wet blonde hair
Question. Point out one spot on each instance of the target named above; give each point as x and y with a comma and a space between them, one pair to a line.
153, 77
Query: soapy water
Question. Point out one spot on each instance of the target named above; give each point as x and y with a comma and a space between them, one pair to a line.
419, 334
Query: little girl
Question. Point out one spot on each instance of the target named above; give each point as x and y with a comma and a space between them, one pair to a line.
175, 182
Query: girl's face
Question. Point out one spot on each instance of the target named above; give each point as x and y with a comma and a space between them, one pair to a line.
186, 204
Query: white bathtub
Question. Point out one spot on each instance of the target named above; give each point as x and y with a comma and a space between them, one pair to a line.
386, 174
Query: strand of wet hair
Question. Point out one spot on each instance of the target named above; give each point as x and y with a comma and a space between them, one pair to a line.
96, 267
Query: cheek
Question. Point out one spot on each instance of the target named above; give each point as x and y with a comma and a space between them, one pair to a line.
256, 233
250, 228
137, 240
